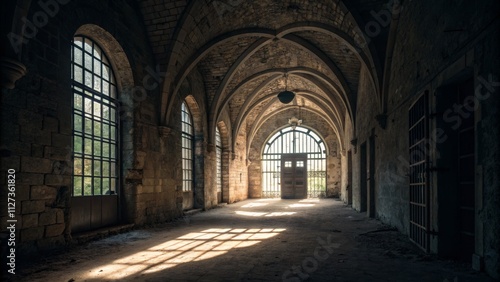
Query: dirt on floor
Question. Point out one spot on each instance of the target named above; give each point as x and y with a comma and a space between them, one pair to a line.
253, 240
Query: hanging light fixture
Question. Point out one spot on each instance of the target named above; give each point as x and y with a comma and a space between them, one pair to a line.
286, 96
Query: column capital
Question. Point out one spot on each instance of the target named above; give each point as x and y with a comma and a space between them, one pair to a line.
11, 71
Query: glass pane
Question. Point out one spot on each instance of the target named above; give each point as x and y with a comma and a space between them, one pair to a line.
105, 150
88, 79
97, 67
112, 114
105, 130
105, 168
88, 105
105, 88
97, 84
105, 186
105, 72
87, 62
78, 42
87, 186
77, 144
78, 102
87, 167
113, 169
97, 129
78, 74
77, 186
105, 112
88, 126
88, 45
97, 148
78, 123
97, 186
88, 146
113, 133
112, 90
112, 151
77, 166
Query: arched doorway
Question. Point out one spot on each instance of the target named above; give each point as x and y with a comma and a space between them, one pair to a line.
294, 164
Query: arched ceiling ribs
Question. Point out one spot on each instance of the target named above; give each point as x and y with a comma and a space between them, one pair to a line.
250, 137
366, 53
174, 85
320, 80
321, 103
350, 93
267, 34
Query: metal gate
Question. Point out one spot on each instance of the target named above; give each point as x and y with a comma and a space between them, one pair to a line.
419, 172
292, 141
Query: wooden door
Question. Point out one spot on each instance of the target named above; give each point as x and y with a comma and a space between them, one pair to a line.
294, 176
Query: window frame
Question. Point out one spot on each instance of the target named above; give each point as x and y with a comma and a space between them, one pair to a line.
103, 169
187, 153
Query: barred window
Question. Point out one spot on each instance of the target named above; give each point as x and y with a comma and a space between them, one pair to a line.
187, 149
292, 141
218, 149
95, 121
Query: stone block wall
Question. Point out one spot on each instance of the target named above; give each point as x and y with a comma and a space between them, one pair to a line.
432, 48
36, 121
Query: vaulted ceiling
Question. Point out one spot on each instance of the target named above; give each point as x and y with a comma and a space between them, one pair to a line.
244, 49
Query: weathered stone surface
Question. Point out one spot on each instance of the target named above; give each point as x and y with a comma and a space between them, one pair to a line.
54, 230
43, 192
48, 218
36, 165
32, 206
58, 179
30, 220
32, 234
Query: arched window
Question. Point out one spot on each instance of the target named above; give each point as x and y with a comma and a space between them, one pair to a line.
95, 120
218, 150
187, 148
298, 141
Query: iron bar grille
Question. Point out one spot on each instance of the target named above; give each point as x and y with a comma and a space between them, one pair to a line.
95, 120
294, 141
218, 150
187, 148
419, 180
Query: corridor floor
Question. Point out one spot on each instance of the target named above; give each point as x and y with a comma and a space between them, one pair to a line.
255, 240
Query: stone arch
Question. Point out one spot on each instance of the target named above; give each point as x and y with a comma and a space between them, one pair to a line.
126, 98
195, 114
116, 54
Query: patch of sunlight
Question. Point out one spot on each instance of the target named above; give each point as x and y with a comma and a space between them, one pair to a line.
256, 214
251, 205
280, 213
195, 246
309, 201
250, 213
268, 199
300, 205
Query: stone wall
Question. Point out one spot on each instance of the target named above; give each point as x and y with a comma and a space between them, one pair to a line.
433, 48
37, 125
